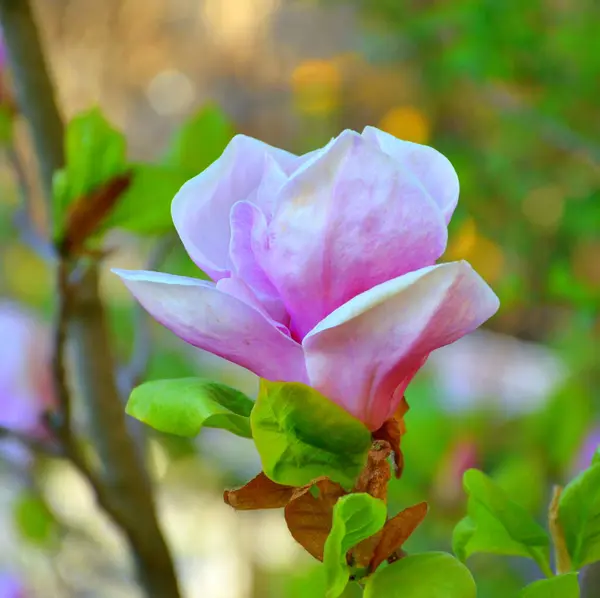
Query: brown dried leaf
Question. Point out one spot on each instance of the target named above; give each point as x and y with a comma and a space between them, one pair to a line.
376, 474
309, 518
392, 431
373, 480
88, 212
259, 493
396, 531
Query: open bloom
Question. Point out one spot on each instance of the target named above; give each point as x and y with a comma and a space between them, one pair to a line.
323, 266
25, 381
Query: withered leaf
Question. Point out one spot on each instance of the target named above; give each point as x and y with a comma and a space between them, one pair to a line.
259, 493
392, 431
88, 213
375, 476
309, 514
374, 481
396, 531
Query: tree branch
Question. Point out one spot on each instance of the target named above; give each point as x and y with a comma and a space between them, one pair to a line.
37, 445
122, 487
33, 86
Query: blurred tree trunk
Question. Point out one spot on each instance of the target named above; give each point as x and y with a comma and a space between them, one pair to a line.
121, 484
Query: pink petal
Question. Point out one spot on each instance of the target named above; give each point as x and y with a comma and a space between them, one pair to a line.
364, 354
207, 318
249, 226
201, 208
348, 219
434, 171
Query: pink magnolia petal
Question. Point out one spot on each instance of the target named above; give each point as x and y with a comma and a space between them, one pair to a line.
201, 208
237, 288
207, 318
349, 218
434, 170
249, 226
363, 355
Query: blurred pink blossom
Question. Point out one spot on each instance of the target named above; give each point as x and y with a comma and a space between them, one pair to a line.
25, 382
324, 266
461, 456
589, 447
495, 371
11, 586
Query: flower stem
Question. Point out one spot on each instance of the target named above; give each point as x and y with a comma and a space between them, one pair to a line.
561, 553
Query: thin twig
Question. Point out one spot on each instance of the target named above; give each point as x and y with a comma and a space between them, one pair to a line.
37, 445
23, 217
561, 552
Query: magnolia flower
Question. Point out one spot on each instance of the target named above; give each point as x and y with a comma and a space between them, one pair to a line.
25, 382
323, 266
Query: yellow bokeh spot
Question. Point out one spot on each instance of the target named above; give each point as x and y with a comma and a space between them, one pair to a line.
25, 274
482, 253
406, 122
316, 85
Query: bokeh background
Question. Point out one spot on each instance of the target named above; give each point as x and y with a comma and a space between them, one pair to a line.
507, 90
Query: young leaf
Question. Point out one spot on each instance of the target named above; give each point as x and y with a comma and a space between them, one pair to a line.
495, 524
183, 406
562, 586
579, 516
355, 518
301, 435
95, 153
146, 205
428, 575
200, 141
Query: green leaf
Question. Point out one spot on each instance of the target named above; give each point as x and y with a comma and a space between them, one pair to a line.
146, 205
184, 406
301, 435
34, 520
355, 518
498, 525
562, 586
352, 590
427, 575
95, 153
200, 141
579, 516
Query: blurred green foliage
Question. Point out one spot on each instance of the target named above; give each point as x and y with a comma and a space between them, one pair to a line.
509, 92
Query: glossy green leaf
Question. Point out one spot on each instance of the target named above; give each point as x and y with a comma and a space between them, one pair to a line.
184, 406
146, 205
301, 435
562, 586
427, 575
200, 140
355, 518
95, 153
498, 525
579, 516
